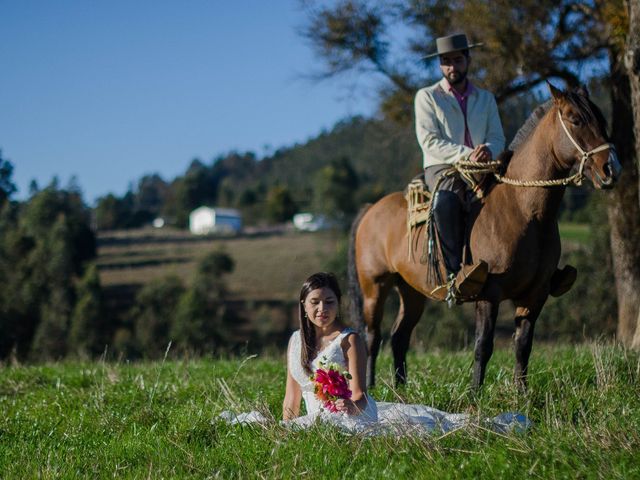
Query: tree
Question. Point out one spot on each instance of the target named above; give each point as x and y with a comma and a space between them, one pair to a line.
201, 320
44, 245
624, 209
88, 332
191, 191
335, 189
280, 204
50, 340
150, 196
528, 41
7, 187
153, 314
109, 213
632, 66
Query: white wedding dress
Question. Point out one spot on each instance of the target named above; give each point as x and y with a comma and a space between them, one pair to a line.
378, 417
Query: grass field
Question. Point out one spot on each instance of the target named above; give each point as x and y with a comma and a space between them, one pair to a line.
574, 233
268, 266
158, 420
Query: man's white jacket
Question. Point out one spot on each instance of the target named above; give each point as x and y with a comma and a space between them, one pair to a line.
440, 123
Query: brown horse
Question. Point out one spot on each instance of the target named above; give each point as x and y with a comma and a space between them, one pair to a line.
514, 229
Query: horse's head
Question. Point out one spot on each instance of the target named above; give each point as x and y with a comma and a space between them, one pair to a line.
583, 139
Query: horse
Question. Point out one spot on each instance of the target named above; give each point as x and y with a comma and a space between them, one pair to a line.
513, 228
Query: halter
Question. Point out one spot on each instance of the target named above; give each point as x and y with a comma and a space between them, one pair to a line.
584, 155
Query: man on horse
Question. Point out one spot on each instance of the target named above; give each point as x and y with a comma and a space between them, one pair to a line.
455, 120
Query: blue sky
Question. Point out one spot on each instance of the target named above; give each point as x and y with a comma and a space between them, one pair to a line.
110, 91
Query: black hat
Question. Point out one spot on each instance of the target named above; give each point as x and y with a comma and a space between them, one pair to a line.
452, 43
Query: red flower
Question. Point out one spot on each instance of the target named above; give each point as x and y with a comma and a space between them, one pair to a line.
330, 385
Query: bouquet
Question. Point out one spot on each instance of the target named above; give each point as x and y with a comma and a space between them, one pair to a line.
330, 385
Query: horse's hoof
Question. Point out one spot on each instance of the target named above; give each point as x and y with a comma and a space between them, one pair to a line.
562, 281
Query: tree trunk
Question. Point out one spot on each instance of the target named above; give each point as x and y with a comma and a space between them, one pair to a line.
624, 206
632, 66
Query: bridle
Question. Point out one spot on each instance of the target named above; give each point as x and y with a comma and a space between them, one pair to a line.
584, 155
467, 168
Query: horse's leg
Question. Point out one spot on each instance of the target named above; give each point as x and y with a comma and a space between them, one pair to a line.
525, 320
374, 295
486, 314
411, 308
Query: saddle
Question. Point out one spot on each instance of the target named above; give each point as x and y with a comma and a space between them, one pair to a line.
418, 199
420, 211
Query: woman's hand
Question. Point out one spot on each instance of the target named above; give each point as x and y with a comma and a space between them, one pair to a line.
347, 406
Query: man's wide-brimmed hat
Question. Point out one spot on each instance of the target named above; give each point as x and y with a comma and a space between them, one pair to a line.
452, 43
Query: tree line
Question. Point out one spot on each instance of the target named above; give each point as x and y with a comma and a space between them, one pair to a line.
52, 304
358, 161
333, 174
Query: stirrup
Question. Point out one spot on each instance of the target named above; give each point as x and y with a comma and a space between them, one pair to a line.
467, 284
446, 292
471, 279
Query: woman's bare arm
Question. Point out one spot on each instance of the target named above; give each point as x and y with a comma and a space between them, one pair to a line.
292, 396
356, 356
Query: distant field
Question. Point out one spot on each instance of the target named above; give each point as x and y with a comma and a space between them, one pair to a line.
574, 233
267, 266
158, 420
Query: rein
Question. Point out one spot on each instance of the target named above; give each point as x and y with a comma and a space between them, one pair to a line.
466, 167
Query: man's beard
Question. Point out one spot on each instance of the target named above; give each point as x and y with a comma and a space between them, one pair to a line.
456, 78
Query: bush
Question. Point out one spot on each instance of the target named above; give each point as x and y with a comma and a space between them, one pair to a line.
155, 310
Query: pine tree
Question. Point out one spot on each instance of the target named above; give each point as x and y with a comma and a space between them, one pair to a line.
50, 340
88, 331
201, 321
155, 310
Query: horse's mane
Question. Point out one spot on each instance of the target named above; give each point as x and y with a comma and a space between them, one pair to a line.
529, 126
578, 98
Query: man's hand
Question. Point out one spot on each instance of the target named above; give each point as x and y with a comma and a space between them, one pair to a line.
481, 153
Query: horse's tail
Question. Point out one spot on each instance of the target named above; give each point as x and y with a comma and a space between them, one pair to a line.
355, 292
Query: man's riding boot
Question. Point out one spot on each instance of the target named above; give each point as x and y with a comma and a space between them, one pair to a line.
471, 278
449, 218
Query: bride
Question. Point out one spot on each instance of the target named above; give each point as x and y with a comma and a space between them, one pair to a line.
324, 339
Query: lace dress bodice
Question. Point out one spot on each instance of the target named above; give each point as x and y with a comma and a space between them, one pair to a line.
332, 353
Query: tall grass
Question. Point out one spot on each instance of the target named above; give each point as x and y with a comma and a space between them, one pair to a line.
158, 420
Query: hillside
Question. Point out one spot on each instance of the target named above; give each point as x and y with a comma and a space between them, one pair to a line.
268, 266
264, 285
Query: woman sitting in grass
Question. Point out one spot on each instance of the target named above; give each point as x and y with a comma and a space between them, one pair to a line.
326, 367
324, 340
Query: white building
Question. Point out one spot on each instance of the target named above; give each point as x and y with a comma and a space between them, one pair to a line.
204, 220
308, 222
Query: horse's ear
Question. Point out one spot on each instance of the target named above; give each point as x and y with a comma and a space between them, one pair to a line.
555, 93
582, 90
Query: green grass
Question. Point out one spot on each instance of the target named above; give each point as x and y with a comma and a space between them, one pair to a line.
157, 420
576, 233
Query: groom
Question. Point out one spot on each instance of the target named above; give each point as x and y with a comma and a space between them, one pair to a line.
457, 120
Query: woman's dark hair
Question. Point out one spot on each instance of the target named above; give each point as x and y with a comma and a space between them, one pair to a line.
308, 333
